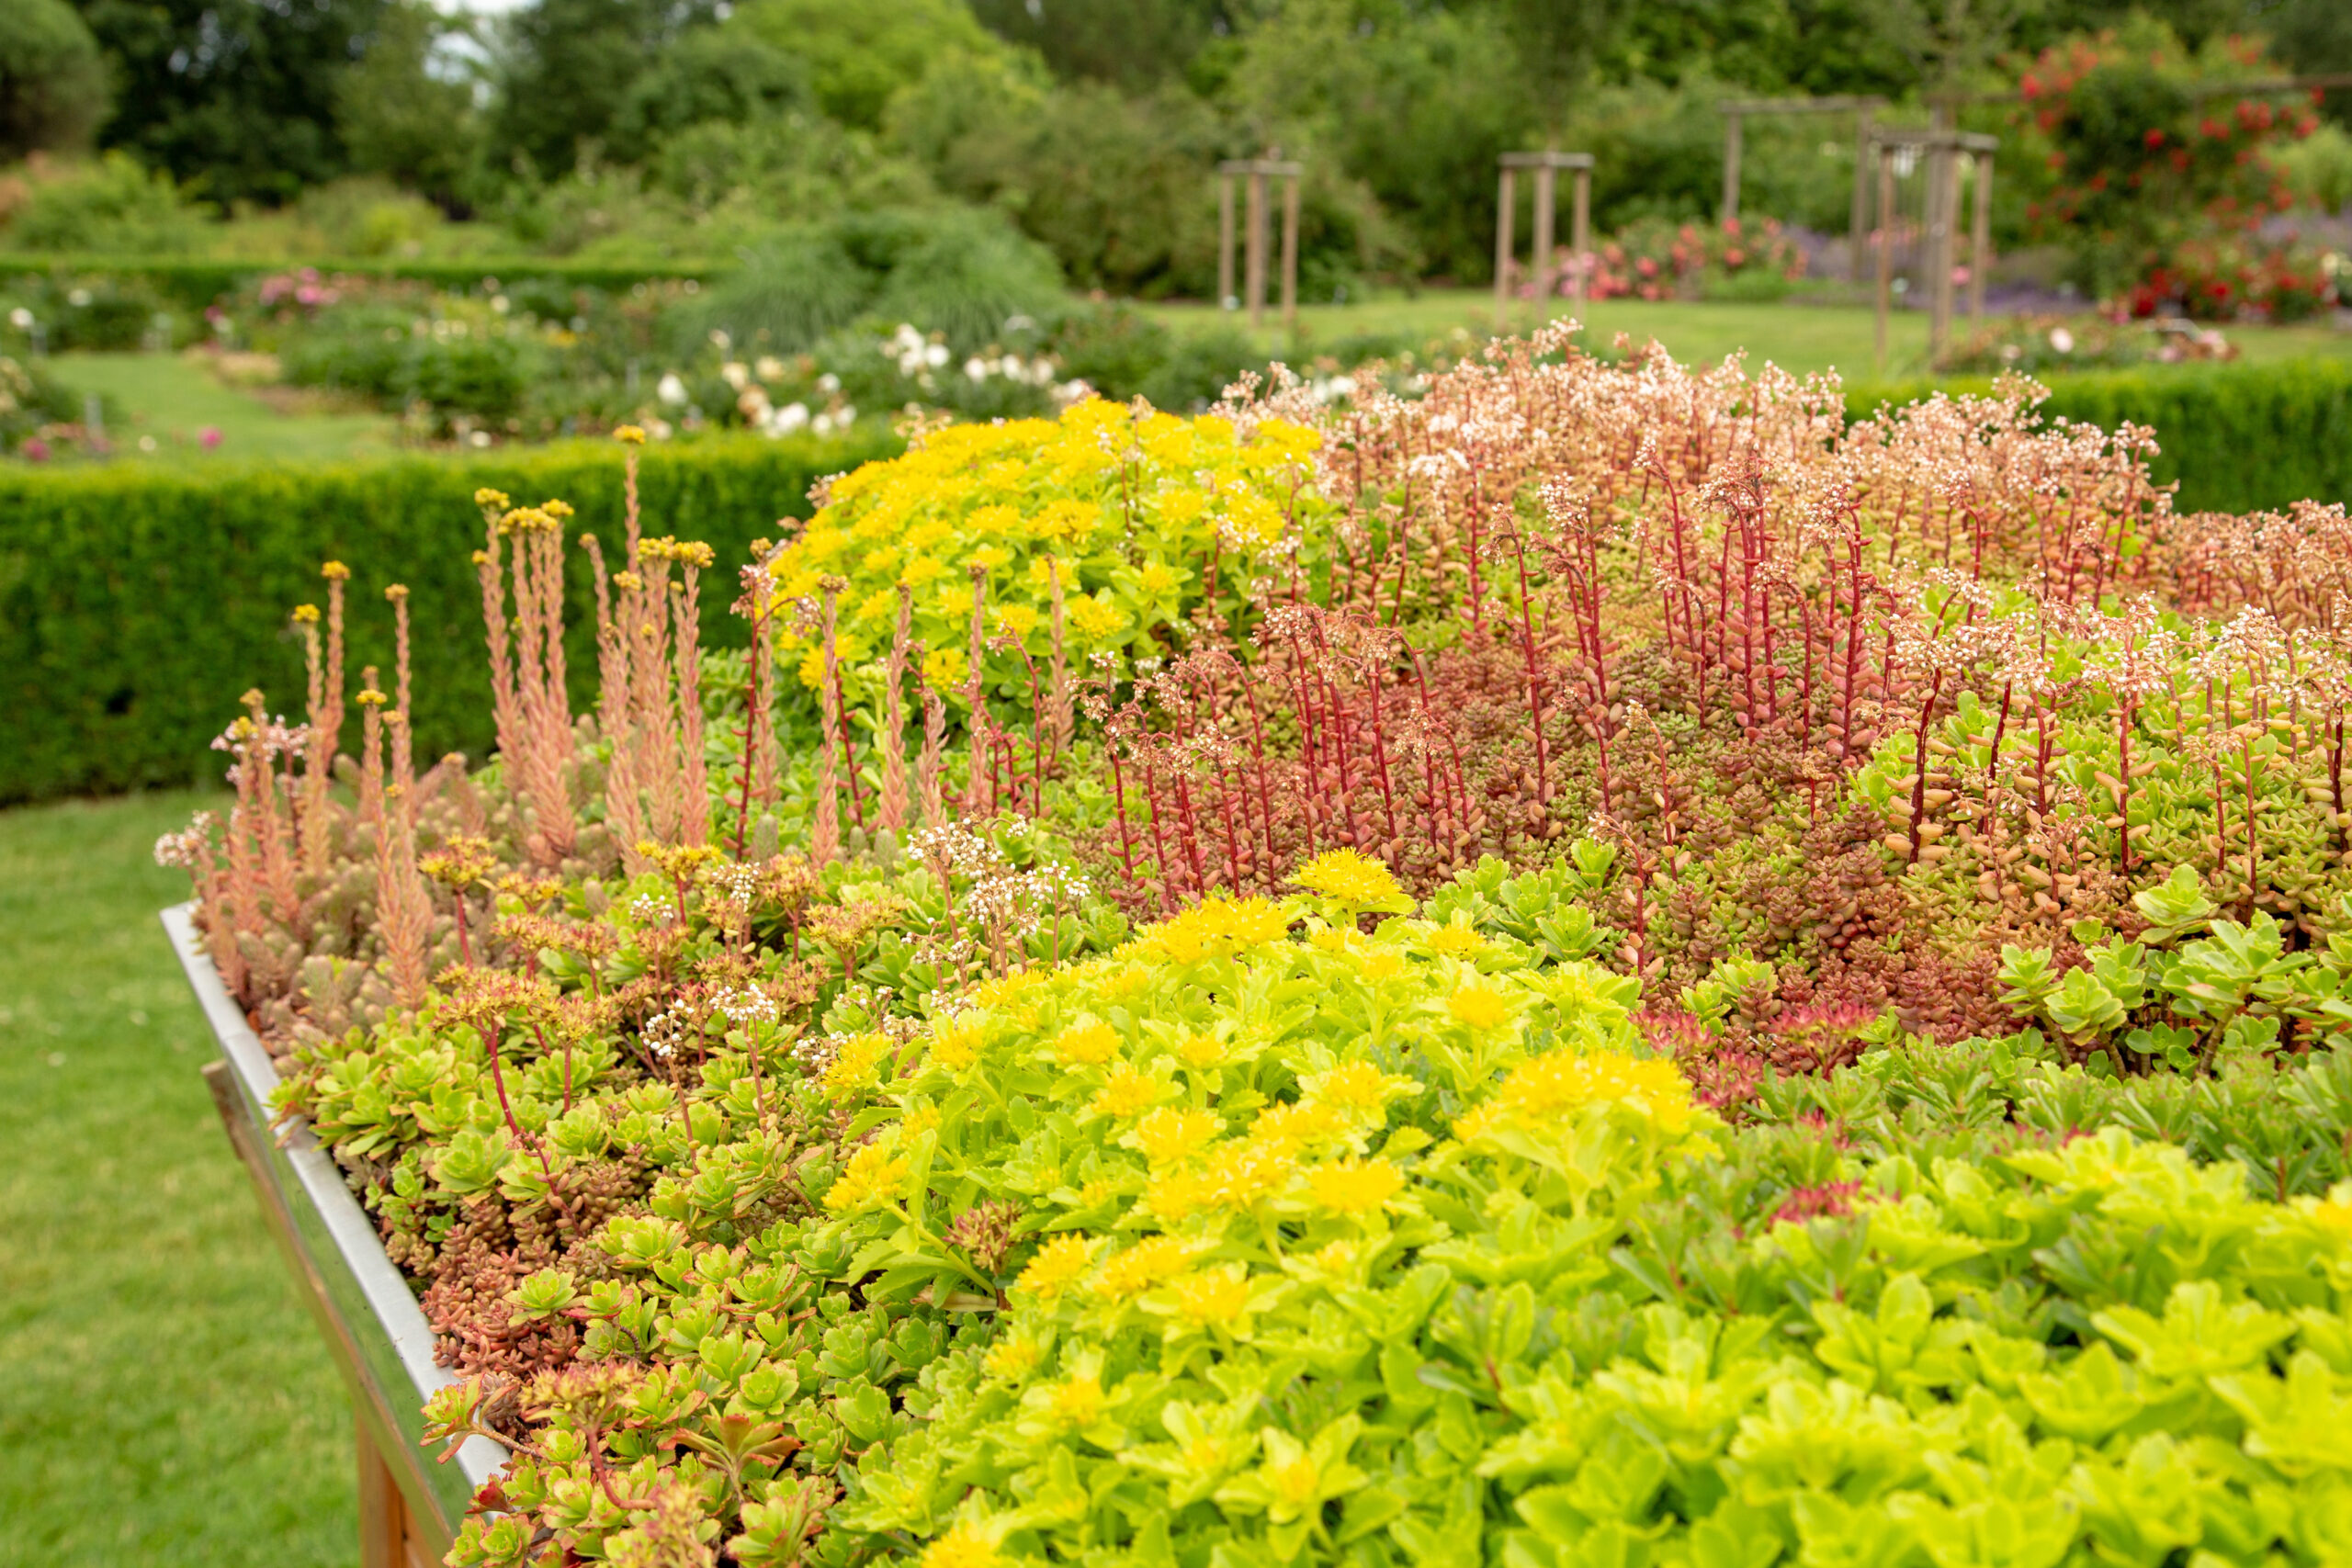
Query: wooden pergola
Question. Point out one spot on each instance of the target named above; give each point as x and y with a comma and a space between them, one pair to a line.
1546, 166
1257, 171
1945, 151
1864, 109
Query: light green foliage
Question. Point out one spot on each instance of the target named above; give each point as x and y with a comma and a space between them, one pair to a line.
1535, 1350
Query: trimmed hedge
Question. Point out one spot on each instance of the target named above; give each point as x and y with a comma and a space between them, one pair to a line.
2238, 437
136, 603
194, 282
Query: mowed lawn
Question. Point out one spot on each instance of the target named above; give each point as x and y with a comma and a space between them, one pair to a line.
1799, 338
165, 1400
172, 400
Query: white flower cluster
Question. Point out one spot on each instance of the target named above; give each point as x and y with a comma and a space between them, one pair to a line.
672, 1027
918, 359
956, 847
744, 1004
1037, 372
914, 353
191, 847
739, 883
648, 910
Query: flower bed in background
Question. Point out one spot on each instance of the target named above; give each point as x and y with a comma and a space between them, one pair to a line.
1599, 963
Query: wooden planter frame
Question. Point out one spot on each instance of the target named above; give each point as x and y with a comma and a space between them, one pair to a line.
410, 1505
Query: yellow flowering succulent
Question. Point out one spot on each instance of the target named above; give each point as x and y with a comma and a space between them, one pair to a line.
1095, 491
872, 1176
1057, 1266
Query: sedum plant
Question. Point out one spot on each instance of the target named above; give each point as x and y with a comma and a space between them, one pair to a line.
1591, 966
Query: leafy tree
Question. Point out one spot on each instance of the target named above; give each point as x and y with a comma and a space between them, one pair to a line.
237, 97
401, 119
859, 53
725, 74
2313, 37
1134, 43
1794, 47
53, 80
568, 71
1557, 42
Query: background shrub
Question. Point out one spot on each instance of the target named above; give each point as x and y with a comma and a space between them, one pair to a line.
2237, 437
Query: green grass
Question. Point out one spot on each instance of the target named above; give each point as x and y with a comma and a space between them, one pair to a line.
1798, 338
172, 400
165, 1399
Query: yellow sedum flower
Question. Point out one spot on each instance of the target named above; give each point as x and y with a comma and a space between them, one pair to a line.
872, 1176
1479, 1009
956, 1042
1125, 1275
1013, 1358
1172, 1136
1358, 881
1296, 1125
1357, 1091
855, 1063
1211, 1298
1127, 1093
1456, 941
1217, 928
1354, 1188
1076, 1402
1087, 1045
1056, 1267
1544, 1091
966, 1545
1201, 1050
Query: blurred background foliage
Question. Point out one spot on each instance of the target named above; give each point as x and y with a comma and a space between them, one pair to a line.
694, 130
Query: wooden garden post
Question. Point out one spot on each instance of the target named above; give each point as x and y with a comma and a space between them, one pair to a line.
1503, 211
1547, 189
1980, 257
1254, 263
1858, 228
1731, 165
1546, 166
1290, 252
1943, 203
1580, 228
1225, 300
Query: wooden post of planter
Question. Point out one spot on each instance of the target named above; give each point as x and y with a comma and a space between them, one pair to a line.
1503, 212
387, 1533
1939, 215
1225, 296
